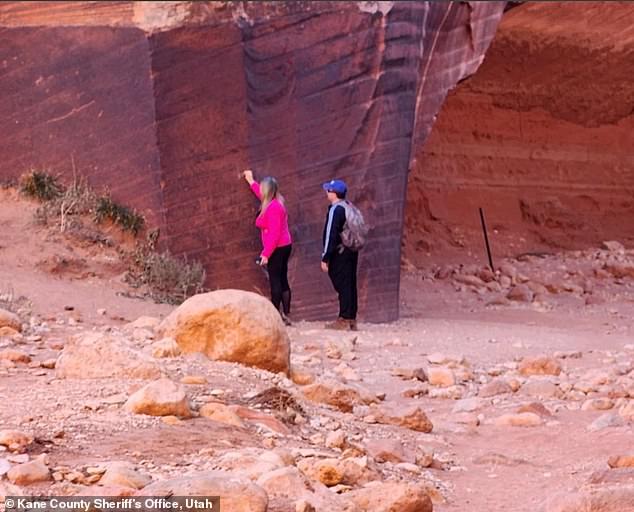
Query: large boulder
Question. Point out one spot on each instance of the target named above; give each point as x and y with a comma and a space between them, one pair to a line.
236, 494
231, 325
94, 355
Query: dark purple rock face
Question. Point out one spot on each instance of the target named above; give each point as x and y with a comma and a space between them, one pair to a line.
304, 91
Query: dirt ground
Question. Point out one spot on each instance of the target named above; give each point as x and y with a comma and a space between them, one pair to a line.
581, 316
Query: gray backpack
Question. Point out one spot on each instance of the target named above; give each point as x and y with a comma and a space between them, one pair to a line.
355, 230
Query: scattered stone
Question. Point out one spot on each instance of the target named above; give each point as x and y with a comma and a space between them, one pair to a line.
221, 413
287, 482
468, 405
613, 246
450, 393
337, 394
541, 388
608, 499
123, 474
336, 439
539, 366
597, 404
411, 417
172, 420
302, 377
15, 356
392, 497
388, 450
29, 473
194, 380
520, 293
331, 472
626, 411
535, 408
93, 355
607, 420
166, 347
238, 494
410, 373
443, 377
10, 320
494, 388
621, 461
304, 506
231, 325
160, 398
524, 419
15, 440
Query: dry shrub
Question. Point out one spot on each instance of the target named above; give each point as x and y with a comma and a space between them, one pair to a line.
169, 279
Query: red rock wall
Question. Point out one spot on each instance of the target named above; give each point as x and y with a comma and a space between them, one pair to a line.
542, 137
304, 91
81, 94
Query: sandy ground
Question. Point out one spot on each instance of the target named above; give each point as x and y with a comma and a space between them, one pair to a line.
480, 466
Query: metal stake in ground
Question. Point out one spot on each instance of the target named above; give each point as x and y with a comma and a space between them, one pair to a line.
486, 239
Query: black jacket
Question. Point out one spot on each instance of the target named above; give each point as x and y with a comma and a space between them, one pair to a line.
335, 221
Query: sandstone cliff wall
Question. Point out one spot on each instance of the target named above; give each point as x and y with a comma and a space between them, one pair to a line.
542, 137
165, 102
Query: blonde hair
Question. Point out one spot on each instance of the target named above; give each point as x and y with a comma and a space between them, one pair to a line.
270, 190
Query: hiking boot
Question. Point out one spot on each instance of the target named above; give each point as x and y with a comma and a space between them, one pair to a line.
286, 320
342, 324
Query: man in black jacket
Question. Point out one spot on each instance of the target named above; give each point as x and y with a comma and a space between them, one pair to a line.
339, 261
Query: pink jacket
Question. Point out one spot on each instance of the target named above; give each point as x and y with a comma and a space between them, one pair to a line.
273, 225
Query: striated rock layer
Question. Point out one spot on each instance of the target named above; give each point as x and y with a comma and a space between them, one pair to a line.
165, 102
542, 137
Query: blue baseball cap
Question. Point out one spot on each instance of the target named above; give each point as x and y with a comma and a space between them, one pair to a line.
336, 186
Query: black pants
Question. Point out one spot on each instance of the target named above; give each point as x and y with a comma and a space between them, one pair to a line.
278, 278
342, 270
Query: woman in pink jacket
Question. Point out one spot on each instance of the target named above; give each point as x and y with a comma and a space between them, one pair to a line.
272, 220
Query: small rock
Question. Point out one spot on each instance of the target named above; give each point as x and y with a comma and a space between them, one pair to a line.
15, 356
621, 461
535, 408
520, 293
11, 320
388, 450
468, 405
606, 420
287, 482
443, 377
160, 398
194, 380
494, 388
411, 417
597, 404
301, 377
541, 388
29, 473
336, 439
221, 413
392, 497
525, 419
167, 347
539, 366
123, 474
15, 440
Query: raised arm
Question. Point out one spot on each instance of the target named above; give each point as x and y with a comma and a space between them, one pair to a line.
255, 186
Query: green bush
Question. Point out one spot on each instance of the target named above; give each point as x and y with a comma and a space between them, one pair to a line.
126, 218
40, 186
